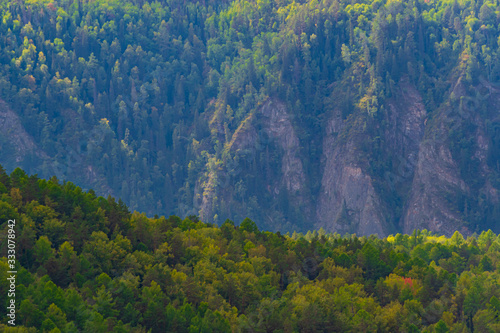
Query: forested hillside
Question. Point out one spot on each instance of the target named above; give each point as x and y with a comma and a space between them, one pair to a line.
356, 116
86, 264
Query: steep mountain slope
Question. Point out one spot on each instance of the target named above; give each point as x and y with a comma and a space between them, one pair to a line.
361, 117
452, 189
17, 146
349, 200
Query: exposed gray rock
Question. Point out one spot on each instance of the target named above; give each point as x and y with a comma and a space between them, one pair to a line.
14, 135
436, 177
276, 122
438, 183
405, 116
347, 201
16, 145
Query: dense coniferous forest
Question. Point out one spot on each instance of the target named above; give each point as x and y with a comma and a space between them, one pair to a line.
158, 103
87, 264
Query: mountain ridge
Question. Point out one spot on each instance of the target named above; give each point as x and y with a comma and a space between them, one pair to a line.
364, 117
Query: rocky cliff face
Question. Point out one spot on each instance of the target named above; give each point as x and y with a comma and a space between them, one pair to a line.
436, 178
272, 124
404, 170
264, 150
19, 149
418, 180
347, 201
449, 189
16, 143
277, 125
406, 118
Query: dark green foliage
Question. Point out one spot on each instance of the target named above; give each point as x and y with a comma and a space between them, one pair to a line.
173, 275
249, 226
146, 99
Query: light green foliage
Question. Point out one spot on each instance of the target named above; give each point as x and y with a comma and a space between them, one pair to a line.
152, 97
195, 276
147, 98
43, 250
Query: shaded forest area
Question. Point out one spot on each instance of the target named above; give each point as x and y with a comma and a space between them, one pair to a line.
142, 99
87, 264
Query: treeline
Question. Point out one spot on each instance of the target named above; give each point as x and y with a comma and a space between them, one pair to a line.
144, 97
86, 264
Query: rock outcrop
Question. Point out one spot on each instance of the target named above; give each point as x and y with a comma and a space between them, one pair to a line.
278, 127
19, 149
436, 177
418, 183
16, 142
347, 201
441, 199
269, 130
